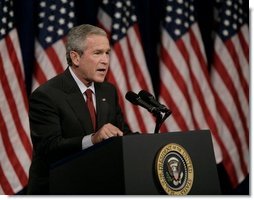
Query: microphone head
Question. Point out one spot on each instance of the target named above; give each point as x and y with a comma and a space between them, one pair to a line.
145, 95
132, 97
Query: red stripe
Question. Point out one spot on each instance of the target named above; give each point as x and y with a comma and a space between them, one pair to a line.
120, 56
5, 183
230, 124
213, 127
120, 96
200, 57
39, 74
244, 45
182, 48
178, 78
54, 58
232, 90
17, 68
21, 174
13, 107
175, 111
224, 112
232, 51
136, 67
208, 117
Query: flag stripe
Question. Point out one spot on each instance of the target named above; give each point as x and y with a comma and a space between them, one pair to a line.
15, 114
128, 70
11, 154
232, 131
10, 39
55, 19
244, 42
234, 56
55, 62
4, 183
179, 79
124, 67
222, 72
116, 77
39, 74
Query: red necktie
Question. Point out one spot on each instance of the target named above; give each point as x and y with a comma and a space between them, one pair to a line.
89, 102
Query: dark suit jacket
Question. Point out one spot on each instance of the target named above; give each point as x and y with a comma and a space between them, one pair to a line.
59, 119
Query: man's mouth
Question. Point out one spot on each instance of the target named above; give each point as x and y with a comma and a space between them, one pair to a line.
101, 70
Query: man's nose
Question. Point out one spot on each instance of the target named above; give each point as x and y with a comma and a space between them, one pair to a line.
105, 58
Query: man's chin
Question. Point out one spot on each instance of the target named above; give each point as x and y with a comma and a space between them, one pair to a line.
99, 80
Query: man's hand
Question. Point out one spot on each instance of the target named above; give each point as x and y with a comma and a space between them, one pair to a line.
105, 132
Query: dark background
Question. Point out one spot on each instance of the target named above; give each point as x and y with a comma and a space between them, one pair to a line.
149, 13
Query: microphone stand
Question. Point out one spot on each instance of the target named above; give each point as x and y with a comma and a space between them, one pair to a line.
160, 120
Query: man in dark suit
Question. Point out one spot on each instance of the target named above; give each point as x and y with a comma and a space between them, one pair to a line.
60, 121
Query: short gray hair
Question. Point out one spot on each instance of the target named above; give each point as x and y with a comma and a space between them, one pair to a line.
77, 36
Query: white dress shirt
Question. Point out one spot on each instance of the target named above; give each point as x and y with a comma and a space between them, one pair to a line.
87, 140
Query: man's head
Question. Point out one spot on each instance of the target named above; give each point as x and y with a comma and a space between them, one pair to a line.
87, 52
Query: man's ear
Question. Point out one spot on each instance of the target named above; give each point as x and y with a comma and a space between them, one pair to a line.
75, 57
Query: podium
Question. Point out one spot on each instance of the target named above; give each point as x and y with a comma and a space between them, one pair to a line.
131, 165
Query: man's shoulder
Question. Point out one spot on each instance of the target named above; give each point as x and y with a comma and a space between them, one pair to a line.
51, 84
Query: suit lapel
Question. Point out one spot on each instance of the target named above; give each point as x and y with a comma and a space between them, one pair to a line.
102, 105
77, 102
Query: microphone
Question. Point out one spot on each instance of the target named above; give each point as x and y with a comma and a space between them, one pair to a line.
136, 100
149, 98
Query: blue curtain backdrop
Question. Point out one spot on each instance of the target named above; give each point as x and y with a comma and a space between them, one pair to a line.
149, 14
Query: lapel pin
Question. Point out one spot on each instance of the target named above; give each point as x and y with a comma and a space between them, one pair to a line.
103, 99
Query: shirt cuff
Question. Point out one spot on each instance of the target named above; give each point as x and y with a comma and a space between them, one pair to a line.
87, 141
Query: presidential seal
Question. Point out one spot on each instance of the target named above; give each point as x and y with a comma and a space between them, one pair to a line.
174, 169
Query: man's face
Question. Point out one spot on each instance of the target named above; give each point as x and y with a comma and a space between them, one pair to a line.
92, 65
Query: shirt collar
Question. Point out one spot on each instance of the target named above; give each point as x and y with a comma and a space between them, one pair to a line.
81, 85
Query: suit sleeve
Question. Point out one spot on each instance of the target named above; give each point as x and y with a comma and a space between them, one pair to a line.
46, 133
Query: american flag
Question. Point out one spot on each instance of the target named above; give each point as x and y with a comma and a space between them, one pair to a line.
230, 78
128, 70
54, 19
185, 82
15, 144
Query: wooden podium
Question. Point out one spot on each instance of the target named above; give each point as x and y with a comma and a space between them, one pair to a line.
129, 165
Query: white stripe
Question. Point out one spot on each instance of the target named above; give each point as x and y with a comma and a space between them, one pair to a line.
1, 190
231, 149
245, 70
205, 88
230, 106
168, 81
195, 68
246, 34
244, 64
12, 132
43, 61
233, 75
8, 169
60, 50
229, 65
140, 58
135, 86
177, 96
105, 19
15, 87
14, 37
118, 74
178, 60
35, 83
149, 122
